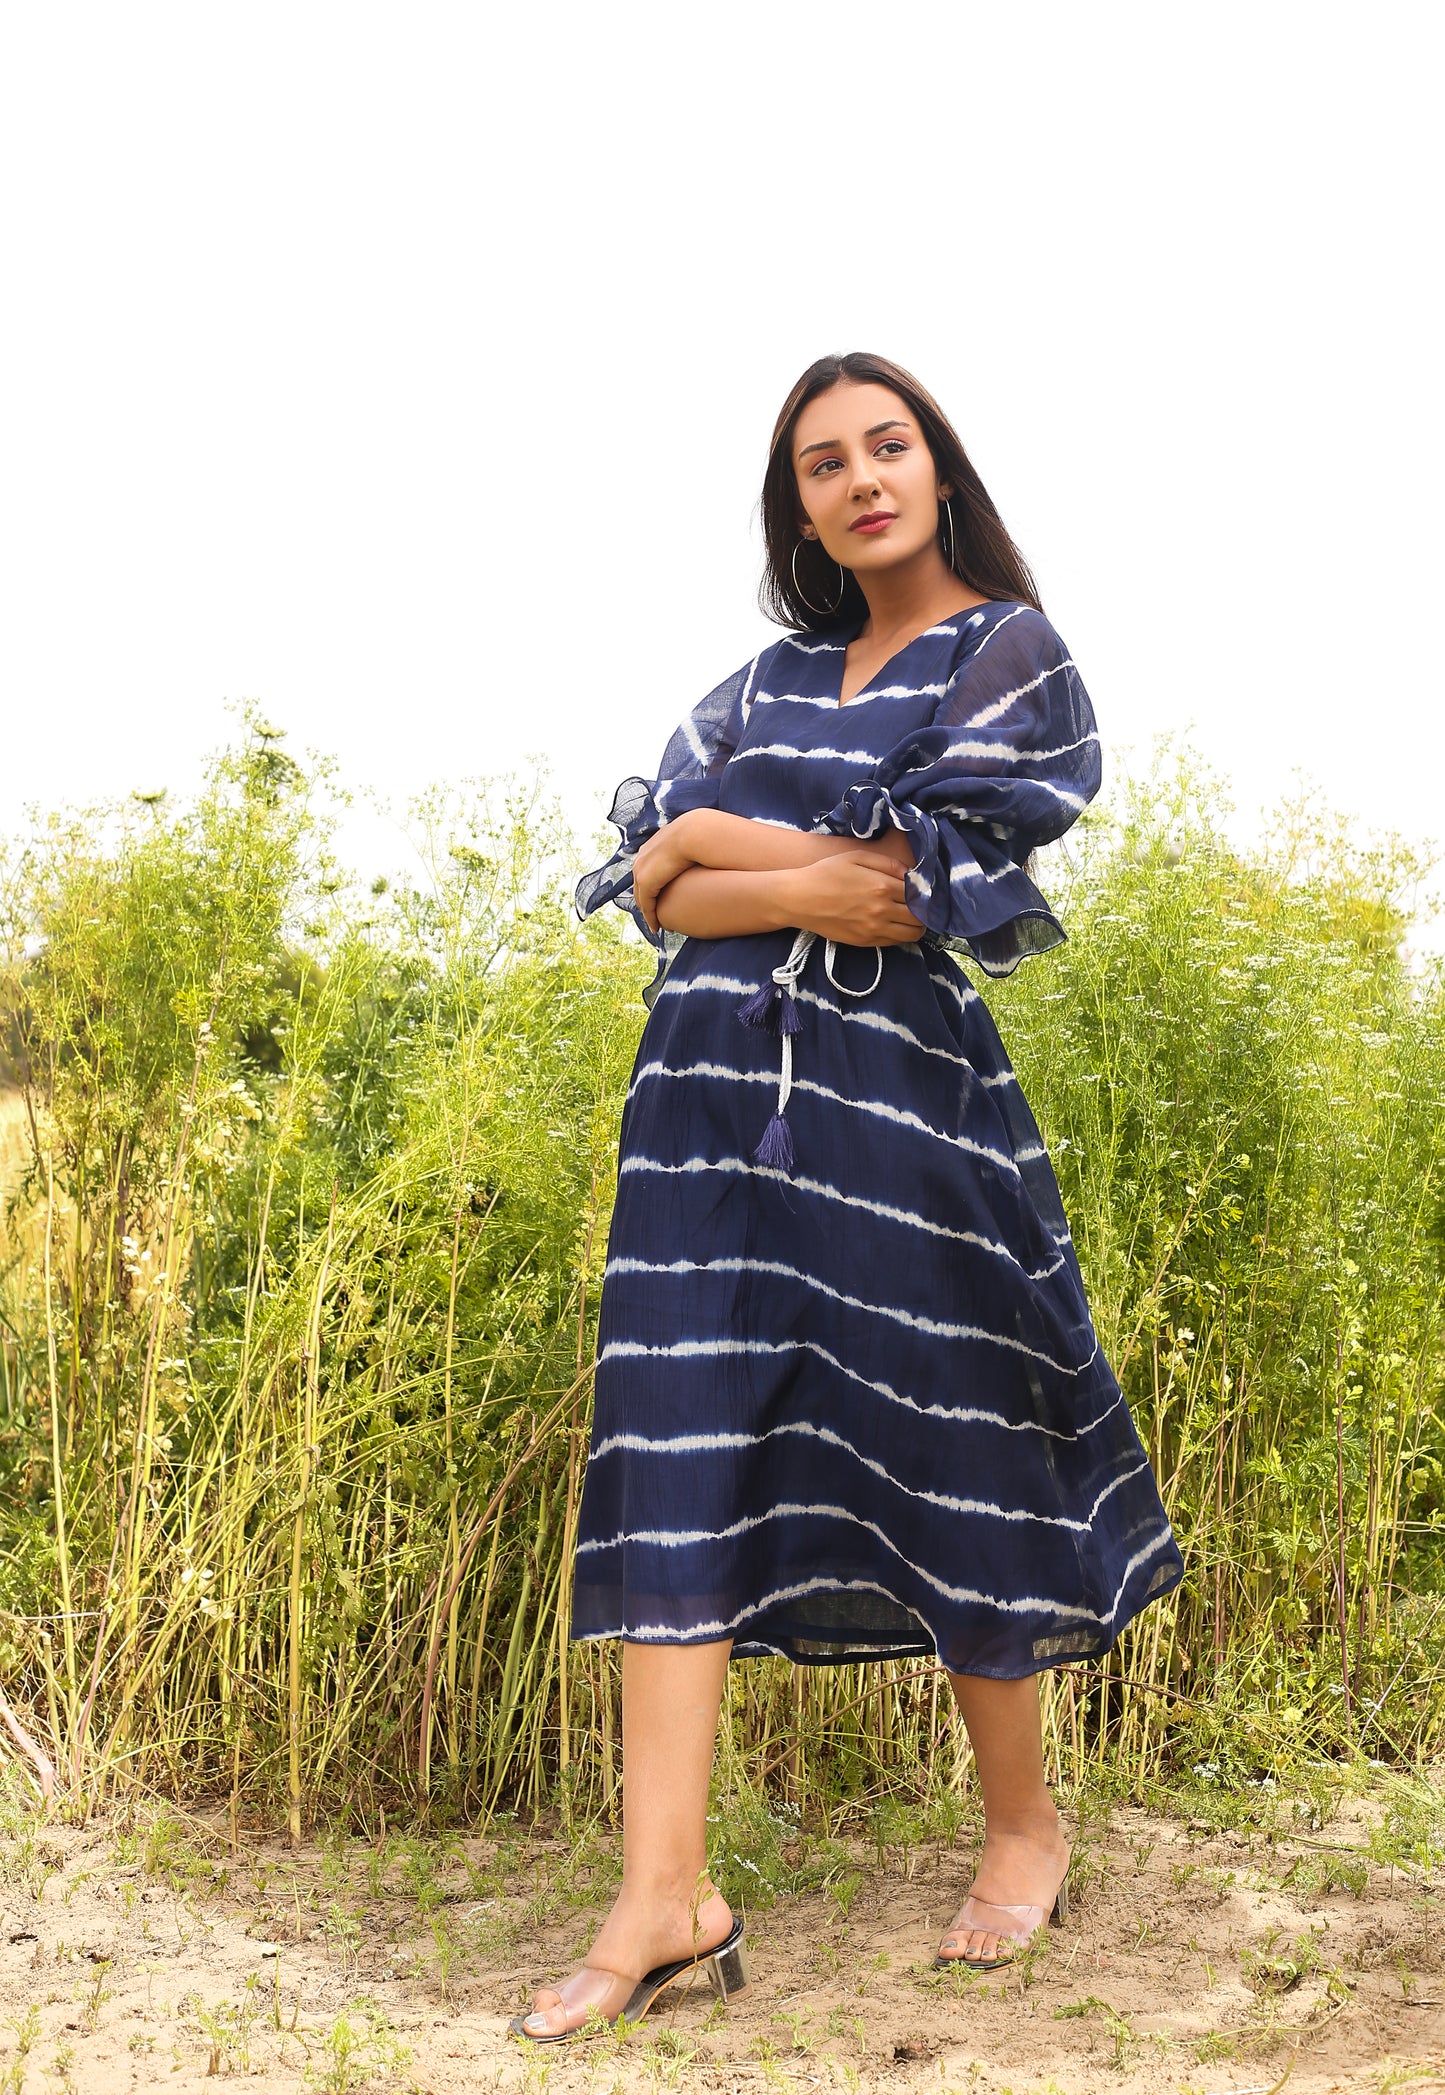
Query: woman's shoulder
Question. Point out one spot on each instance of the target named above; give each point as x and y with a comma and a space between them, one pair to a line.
1009, 634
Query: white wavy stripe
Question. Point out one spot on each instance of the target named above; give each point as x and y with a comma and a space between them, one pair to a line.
878, 817
1006, 700
1037, 785
900, 691
1030, 1604
874, 1021
947, 1502
1008, 619
960, 1414
729, 985
1003, 753
795, 698
969, 869
732, 985
787, 749
950, 632
933, 1327
695, 742
792, 1509
743, 1167
819, 647
946, 975
666, 1633
878, 1107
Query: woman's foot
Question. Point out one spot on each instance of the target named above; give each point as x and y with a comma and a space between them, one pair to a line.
1023, 1867
641, 1932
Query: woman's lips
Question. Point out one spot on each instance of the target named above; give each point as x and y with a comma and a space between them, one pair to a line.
877, 520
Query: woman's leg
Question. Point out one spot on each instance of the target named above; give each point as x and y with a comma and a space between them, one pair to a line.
667, 1908
1024, 1850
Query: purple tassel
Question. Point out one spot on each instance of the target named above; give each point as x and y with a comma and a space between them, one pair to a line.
788, 1019
776, 1148
758, 1008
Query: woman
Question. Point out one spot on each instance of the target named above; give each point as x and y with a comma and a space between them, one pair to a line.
849, 1401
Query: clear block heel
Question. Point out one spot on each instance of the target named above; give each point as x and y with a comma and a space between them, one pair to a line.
729, 1970
725, 1968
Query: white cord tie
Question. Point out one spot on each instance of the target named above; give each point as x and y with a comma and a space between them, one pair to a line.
776, 1146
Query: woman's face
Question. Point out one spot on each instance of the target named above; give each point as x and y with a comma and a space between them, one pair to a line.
866, 478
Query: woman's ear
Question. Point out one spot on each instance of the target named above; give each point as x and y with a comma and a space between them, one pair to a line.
945, 490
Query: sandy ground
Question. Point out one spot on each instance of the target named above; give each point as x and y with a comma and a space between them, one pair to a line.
1196, 1958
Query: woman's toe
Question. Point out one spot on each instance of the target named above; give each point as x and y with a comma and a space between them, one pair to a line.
548, 2014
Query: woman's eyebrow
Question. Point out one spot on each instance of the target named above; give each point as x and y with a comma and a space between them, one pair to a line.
834, 443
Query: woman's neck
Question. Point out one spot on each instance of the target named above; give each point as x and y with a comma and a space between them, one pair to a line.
910, 598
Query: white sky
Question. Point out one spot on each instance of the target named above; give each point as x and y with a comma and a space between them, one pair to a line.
410, 370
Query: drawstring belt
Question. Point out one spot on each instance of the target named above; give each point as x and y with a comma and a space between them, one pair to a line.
775, 1006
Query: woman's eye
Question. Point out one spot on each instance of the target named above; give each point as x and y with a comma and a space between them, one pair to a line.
822, 462
892, 444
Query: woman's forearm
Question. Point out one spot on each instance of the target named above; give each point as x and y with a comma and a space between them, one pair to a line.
733, 844
709, 902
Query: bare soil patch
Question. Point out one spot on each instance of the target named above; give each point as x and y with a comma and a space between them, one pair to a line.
1195, 1958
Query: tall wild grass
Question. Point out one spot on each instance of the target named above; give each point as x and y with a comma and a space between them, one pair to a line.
306, 1201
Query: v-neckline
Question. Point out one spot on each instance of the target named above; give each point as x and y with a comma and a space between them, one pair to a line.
841, 704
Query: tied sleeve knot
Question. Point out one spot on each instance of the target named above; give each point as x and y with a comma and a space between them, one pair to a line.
774, 1007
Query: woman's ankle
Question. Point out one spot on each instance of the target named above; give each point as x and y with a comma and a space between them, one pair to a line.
675, 1890
1037, 1821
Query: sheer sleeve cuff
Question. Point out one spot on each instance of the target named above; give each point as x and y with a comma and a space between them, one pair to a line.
965, 887
639, 809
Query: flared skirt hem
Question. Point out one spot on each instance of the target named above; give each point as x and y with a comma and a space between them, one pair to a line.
1072, 1647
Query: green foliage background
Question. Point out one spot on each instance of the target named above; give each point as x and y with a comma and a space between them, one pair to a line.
307, 1195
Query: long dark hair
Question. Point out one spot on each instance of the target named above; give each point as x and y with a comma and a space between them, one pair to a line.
984, 556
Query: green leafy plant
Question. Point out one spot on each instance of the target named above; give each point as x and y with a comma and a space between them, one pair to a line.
306, 1187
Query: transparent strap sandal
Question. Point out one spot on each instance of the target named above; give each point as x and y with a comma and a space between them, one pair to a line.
594, 1999
1013, 1924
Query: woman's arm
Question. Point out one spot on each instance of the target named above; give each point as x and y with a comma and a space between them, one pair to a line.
733, 844
855, 897
708, 838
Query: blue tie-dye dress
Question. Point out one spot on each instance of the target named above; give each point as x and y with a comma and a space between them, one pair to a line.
849, 1400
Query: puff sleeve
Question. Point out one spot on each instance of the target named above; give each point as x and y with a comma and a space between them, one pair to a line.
1008, 762
687, 777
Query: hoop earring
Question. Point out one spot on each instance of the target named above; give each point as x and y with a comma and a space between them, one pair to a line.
821, 609
949, 554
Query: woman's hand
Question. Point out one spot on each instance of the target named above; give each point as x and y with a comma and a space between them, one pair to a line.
856, 898
660, 860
